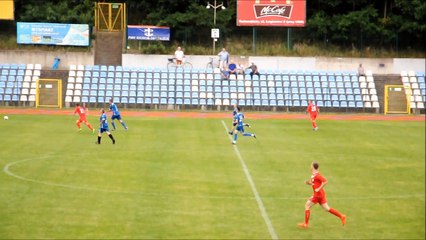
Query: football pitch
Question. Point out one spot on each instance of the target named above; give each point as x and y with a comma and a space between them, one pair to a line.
181, 178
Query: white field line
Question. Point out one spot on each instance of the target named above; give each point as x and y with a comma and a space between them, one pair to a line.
253, 188
7, 170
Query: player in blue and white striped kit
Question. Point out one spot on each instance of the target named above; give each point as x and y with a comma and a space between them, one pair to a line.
234, 124
103, 127
238, 120
115, 115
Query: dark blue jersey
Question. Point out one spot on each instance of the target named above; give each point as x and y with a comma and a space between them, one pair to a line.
103, 120
114, 109
234, 112
238, 118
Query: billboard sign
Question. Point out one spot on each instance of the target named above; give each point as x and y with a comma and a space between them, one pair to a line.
144, 32
53, 34
271, 13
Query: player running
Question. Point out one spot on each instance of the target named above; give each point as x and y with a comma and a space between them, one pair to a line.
313, 111
82, 112
115, 115
234, 124
238, 121
318, 182
103, 127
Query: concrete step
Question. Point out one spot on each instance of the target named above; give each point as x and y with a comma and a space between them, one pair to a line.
380, 81
108, 48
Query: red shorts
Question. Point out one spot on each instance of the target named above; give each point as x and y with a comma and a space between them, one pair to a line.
318, 199
82, 120
313, 116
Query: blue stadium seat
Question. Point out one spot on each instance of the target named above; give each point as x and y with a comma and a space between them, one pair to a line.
336, 104
140, 100
296, 103
358, 98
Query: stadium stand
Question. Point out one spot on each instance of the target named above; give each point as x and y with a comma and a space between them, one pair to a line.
148, 87
18, 83
415, 86
272, 89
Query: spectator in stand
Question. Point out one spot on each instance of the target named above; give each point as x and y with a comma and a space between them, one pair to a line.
179, 55
240, 69
225, 73
361, 71
223, 58
254, 70
233, 69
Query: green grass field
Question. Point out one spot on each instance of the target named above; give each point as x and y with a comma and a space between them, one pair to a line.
181, 178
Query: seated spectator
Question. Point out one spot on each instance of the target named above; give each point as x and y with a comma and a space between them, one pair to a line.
233, 69
254, 70
240, 69
225, 74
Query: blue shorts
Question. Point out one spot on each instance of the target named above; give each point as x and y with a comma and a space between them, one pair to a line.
240, 129
102, 130
118, 117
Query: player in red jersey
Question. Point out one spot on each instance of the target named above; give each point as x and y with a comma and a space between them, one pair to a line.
318, 182
313, 111
82, 111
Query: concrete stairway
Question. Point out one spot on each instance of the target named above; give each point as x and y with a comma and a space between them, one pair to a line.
380, 81
108, 48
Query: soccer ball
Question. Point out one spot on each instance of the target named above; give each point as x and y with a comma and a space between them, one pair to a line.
6, 118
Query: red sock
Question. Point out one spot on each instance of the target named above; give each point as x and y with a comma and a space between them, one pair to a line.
90, 126
307, 215
78, 125
314, 123
335, 212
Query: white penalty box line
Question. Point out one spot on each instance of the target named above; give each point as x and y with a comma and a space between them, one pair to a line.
253, 188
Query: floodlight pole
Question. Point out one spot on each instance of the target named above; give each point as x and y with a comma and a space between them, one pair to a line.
214, 6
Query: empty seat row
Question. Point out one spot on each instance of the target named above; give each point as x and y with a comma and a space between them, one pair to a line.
415, 87
18, 82
112, 68
86, 82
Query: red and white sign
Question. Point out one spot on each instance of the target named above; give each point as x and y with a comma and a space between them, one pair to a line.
271, 13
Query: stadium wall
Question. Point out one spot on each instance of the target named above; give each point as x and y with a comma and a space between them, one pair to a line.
376, 65
46, 58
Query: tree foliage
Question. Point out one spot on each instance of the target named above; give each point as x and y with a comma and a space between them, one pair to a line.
345, 23
55, 11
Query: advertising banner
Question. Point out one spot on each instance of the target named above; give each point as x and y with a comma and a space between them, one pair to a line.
144, 32
271, 13
53, 34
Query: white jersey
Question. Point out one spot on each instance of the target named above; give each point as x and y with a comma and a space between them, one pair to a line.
179, 55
